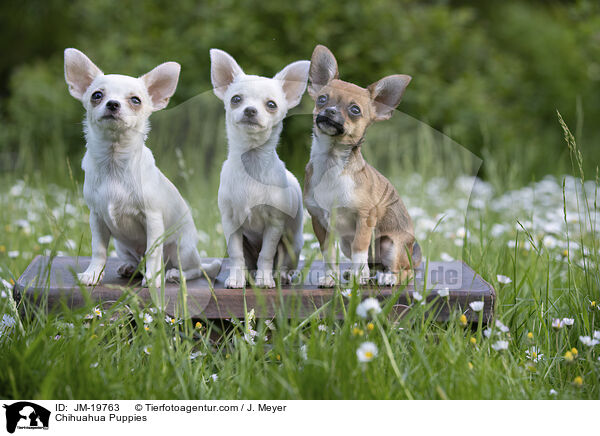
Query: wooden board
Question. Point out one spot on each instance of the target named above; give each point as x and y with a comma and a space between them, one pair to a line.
55, 284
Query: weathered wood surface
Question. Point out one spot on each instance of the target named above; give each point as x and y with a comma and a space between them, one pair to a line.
56, 284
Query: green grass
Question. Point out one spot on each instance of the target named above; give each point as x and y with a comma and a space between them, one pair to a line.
542, 236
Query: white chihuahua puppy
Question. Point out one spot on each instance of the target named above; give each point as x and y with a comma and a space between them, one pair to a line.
260, 201
128, 197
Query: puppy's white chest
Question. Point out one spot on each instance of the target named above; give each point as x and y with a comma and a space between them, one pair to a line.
115, 200
330, 189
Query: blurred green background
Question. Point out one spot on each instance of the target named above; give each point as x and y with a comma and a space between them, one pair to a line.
491, 75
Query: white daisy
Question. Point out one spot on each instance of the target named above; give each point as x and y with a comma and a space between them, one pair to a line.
534, 354
322, 327
346, 293
97, 312
586, 340
94, 365
367, 307
487, 332
568, 321
553, 392
505, 280
500, 345
196, 354
476, 306
13, 254
214, 377
148, 349
445, 257
501, 326
366, 352
557, 324
597, 334
417, 295
147, 318
444, 292
46, 239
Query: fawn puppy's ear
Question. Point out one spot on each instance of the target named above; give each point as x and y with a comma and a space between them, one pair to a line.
161, 83
223, 71
386, 94
294, 78
323, 69
80, 72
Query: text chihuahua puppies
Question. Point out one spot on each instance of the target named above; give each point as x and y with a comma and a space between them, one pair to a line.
259, 200
342, 192
129, 198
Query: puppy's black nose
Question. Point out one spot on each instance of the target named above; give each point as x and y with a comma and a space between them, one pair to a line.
113, 105
250, 111
331, 111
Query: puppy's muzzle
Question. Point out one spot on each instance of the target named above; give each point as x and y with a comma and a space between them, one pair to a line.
112, 108
328, 124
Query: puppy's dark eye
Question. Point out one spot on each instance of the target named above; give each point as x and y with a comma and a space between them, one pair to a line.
271, 105
354, 110
136, 100
236, 99
321, 100
97, 95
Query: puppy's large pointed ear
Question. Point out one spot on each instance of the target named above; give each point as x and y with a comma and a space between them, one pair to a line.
161, 83
386, 94
294, 78
80, 72
323, 69
223, 71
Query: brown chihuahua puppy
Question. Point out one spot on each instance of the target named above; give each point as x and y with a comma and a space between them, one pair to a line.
345, 194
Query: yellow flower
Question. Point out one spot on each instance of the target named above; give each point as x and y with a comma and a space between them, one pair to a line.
569, 356
227, 356
565, 252
2, 249
198, 325
530, 336
146, 327
357, 332
462, 320
473, 341
578, 381
7, 228
93, 337
278, 357
470, 365
593, 304
574, 351
370, 326
12, 282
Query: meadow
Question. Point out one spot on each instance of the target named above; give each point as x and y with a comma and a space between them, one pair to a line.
536, 244
488, 169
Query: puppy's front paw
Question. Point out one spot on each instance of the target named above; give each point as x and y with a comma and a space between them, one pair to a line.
328, 280
264, 279
148, 282
236, 279
386, 278
126, 270
362, 274
90, 278
286, 277
173, 275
